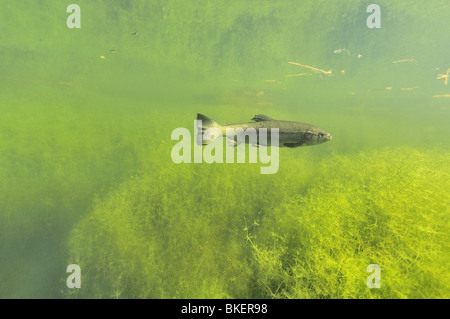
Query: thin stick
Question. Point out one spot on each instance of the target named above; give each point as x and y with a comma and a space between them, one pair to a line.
312, 68
300, 74
405, 60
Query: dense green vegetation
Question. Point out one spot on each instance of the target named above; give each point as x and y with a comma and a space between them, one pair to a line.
221, 231
86, 175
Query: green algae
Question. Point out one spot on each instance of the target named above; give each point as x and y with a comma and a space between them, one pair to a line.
261, 240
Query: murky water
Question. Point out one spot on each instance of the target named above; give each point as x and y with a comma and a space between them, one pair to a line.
87, 178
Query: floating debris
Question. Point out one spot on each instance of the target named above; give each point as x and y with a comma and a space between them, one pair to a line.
338, 51
300, 74
388, 88
135, 33
359, 56
102, 57
259, 94
343, 71
442, 96
269, 81
405, 60
444, 76
312, 68
409, 89
113, 50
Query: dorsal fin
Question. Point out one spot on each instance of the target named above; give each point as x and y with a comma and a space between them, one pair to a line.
261, 118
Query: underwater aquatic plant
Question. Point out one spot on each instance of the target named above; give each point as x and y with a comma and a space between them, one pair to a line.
388, 208
174, 240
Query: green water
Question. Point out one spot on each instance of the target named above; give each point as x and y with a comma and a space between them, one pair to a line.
86, 175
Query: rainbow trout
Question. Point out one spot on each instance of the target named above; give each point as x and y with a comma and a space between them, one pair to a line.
290, 134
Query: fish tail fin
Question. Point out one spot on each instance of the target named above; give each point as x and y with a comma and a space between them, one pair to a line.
207, 130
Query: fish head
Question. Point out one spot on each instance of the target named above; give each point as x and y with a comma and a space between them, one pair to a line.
315, 135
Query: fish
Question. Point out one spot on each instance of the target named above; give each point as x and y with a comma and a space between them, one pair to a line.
291, 134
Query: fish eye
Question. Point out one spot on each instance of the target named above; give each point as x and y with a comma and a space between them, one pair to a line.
321, 134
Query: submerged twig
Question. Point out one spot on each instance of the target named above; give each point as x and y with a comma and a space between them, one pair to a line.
299, 74
312, 68
405, 60
444, 76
